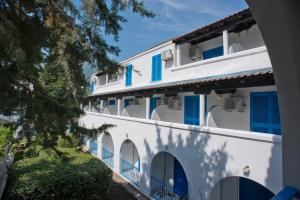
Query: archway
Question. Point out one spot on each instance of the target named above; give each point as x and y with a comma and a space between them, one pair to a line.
168, 179
107, 154
130, 162
239, 188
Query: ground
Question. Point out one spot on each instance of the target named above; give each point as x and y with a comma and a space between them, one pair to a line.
121, 190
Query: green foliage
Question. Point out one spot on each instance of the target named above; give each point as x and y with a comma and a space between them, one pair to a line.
43, 46
68, 142
77, 176
6, 137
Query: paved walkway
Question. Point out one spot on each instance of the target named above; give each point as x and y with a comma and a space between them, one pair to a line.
122, 190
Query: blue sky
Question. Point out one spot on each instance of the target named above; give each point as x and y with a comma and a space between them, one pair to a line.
174, 17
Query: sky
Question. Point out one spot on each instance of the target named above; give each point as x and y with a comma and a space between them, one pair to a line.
173, 18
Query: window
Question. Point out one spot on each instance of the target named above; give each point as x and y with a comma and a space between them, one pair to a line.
264, 113
211, 53
191, 110
156, 68
127, 102
128, 76
111, 102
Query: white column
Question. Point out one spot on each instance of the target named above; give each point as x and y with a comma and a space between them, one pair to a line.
106, 79
90, 106
178, 56
202, 110
175, 55
225, 42
101, 104
81, 106
119, 105
147, 107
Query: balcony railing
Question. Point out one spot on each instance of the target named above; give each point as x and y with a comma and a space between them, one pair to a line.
163, 191
108, 157
131, 172
93, 147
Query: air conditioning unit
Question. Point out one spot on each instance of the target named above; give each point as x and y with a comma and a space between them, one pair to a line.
174, 103
167, 55
137, 101
195, 52
234, 104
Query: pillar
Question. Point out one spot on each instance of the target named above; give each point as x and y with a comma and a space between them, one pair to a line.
90, 106
147, 107
119, 101
202, 110
225, 42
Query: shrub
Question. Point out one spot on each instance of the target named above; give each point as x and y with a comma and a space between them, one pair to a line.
77, 176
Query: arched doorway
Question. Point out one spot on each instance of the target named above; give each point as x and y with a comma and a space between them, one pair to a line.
107, 154
239, 188
130, 162
168, 179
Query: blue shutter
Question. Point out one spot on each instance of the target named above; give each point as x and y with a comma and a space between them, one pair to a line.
211, 53
180, 180
156, 73
128, 78
92, 86
191, 110
127, 102
153, 104
264, 113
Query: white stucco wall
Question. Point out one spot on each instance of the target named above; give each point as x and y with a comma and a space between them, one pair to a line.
206, 154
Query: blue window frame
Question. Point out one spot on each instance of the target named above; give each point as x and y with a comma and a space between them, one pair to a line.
128, 75
156, 68
191, 110
111, 102
92, 86
211, 53
153, 104
127, 102
264, 113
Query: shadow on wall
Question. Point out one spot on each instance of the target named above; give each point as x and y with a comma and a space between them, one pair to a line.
203, 169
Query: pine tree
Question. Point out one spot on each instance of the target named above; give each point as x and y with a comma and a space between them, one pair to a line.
43, 46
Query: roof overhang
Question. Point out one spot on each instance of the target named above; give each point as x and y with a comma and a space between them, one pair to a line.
253, 78
237, 22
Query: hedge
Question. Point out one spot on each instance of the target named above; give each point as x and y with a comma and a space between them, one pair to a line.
77, 176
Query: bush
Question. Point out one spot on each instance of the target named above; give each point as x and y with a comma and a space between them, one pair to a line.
67, 142
77, 176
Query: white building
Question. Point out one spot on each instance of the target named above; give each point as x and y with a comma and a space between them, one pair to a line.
196, 117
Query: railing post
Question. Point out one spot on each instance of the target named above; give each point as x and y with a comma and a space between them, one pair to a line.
147, 107
225, 42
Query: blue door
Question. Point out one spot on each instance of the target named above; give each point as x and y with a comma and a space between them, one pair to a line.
127, 102
191, 110
128, 78
156, 68
180, 181
153, 104
264, 113
211, 53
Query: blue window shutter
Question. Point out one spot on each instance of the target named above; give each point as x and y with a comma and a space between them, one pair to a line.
156, 73
191, 110
128, 81
92, 85
264, 113
211, 53
153, 104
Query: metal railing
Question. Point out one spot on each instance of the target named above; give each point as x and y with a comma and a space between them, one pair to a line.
131, 172
163, 191
93, 147
287, 193
107, 157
